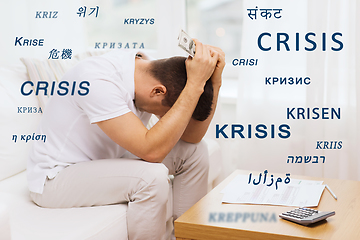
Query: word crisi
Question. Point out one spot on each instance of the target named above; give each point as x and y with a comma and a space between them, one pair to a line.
278, 180
63, 88
261, 131
244, 62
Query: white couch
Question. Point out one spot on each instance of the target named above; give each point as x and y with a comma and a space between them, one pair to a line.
20, 218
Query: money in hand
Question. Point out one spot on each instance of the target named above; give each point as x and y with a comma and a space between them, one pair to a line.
186, 43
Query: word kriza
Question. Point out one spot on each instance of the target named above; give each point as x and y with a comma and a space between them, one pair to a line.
278, 180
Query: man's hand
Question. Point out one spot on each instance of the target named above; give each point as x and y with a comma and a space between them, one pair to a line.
196, 130
216, 76
201, 67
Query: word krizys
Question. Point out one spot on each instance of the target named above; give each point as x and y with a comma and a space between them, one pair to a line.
278, 180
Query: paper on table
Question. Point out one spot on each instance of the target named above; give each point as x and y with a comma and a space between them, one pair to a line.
300, 193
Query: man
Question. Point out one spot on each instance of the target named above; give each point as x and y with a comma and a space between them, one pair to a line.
83, 164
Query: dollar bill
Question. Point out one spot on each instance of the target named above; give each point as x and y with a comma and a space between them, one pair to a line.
186, 43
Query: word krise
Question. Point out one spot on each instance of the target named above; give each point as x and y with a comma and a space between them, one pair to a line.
278, 180
20, 41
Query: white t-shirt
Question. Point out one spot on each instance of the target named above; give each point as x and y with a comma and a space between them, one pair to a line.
69, 122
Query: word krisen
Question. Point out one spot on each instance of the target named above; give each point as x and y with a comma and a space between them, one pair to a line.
328, 145
261, 131
244, 62
119, 45
278, 180
82, 10
315, 113
62, 88
29, 110
29, 42
234, 217
289, 81
282, 39
66, 54
30, 137
307, 159
139, 21
52, 14
265, 13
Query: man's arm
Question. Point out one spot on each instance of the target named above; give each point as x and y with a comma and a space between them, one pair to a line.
153, 145
196, 130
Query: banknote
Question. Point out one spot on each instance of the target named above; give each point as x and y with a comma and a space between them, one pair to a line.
186, 43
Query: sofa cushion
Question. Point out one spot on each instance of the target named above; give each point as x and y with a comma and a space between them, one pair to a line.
32, 222
13, 155
4, 223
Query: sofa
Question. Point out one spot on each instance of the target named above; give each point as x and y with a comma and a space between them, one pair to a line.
20, 218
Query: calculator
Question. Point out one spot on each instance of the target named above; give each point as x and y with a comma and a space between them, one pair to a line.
305, 216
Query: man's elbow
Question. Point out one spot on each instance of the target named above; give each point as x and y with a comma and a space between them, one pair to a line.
154, 157
192, 139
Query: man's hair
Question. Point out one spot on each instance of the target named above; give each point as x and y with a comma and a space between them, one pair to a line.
171, 72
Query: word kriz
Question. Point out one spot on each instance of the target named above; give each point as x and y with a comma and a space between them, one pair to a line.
278, 180
45, 14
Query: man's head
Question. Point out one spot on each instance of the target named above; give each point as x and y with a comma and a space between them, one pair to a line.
170, 74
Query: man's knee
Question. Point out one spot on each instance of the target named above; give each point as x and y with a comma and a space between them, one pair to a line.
203, 153
198, 152
158, 180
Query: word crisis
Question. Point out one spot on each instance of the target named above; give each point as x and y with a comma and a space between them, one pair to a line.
62, 88
309, 39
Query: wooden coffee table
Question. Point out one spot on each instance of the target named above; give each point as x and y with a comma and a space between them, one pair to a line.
211, 219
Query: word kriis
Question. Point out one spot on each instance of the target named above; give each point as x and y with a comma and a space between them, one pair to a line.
278, 180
